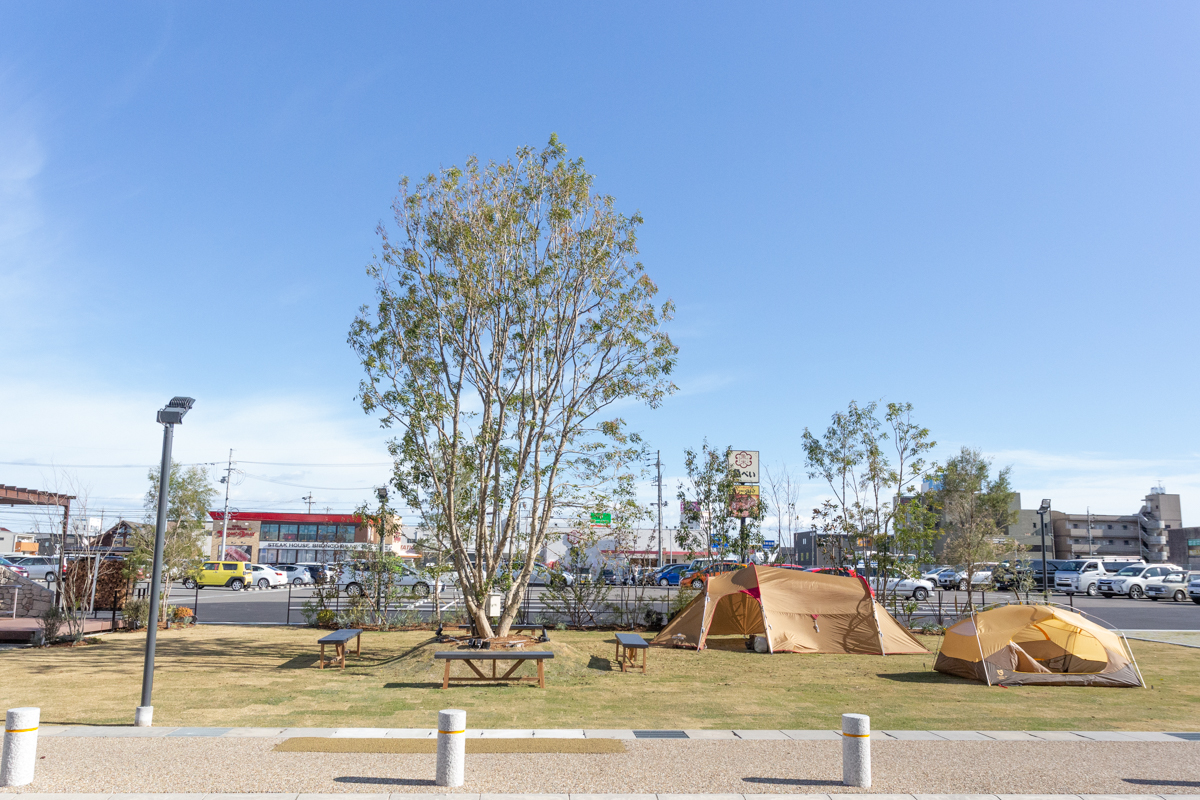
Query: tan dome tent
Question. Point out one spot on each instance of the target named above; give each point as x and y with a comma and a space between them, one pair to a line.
1018, 644
797, 612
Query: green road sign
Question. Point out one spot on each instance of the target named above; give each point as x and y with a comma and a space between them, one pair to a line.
602, 519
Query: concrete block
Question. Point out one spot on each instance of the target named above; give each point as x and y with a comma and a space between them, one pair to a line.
608, 734
247, 733
19, 757
1058, 736
504, 733
451, 747
914, 736
1105, 736
760, 734
964, 736
411, 733
1012, 736
711, 734
199, 732
813, 736
856, 750
308, 732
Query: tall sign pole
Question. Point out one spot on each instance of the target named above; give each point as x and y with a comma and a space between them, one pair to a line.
225, 517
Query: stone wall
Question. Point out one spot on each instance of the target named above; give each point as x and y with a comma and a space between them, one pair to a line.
32, 599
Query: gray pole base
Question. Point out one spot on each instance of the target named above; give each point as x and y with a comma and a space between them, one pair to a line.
856, 750
451, 747
20, 746
143, 717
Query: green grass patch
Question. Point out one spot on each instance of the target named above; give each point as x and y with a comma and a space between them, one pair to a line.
231, 676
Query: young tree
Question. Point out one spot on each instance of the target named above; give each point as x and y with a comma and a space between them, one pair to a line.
975, 510
711, 519
855, 458
190, 494
511, 315
782, 491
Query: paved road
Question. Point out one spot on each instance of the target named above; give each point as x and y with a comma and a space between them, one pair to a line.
272, 606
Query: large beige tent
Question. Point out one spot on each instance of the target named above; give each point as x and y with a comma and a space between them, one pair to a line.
797, 612
1019, 644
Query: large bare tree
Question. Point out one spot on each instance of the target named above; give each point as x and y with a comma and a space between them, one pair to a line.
511, 316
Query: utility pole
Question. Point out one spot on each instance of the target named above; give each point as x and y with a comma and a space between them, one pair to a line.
658, 466
1091, 550
308, 498
228, 479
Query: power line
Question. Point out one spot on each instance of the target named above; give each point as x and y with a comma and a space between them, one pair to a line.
196, 464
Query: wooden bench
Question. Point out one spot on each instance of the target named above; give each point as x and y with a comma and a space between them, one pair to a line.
339, 639
627, 646
469, 657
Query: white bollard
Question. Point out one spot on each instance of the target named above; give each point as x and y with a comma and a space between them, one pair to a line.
452, 747
143, 716
20, 746
856, 750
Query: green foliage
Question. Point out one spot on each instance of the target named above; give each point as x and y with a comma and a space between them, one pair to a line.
190, 494
318, 609
975, 509
52, 621
512, 289
136, 612
708, 522
869, 464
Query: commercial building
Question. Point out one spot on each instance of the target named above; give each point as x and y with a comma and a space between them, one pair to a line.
1144, 534
280, 538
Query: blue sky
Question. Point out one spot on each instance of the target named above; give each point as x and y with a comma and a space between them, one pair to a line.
989, 210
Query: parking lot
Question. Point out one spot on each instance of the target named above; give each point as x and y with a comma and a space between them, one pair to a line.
284, 605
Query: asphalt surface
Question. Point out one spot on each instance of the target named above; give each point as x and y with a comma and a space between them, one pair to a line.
272, 606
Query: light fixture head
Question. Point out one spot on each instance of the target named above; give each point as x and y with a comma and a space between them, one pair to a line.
174, 411
1045, 507
382, 494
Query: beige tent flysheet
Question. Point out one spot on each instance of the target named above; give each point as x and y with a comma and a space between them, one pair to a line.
1031, 644
797, 612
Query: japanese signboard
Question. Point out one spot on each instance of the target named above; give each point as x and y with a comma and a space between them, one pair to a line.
602, 519
744, 465
744, 501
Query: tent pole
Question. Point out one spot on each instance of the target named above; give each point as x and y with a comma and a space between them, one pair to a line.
763, 608
982, 661
878, 630
1136, 668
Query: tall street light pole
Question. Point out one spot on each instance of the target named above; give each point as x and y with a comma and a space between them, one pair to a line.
169, 417
1043, 510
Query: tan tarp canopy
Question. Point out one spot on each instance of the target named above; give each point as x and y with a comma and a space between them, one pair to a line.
798, 612
1018, 644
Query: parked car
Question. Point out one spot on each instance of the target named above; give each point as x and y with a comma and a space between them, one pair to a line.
234, 574
266, 577
295, 574
934, 573
845, 572
1082, 575
696, 579
1132, 580
670, 575
1194, 588
356, 579
980, 578
321, 573
1174, 586
916, 588
40, 568
17, 568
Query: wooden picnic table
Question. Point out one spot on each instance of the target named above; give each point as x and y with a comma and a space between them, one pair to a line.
469, 657
630, 643
339, 639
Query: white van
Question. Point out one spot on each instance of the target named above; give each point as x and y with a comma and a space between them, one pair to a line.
1082, 575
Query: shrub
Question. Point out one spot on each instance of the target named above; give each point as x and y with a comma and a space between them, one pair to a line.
52, 620
325, 618
136, 612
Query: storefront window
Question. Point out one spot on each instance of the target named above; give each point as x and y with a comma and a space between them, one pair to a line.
308, 533
327, 533
287, 533
269, 532
345, 533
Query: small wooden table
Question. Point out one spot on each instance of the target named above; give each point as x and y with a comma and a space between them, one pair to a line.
469, 657
339, 639
627, 646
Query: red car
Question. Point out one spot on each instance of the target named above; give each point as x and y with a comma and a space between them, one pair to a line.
845, 572
17, 568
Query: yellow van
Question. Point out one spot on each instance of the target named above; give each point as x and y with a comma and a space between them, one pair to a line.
234, 574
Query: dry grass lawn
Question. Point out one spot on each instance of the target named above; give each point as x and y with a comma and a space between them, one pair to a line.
265, 676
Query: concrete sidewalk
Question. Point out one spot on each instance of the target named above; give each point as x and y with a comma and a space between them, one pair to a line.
478, 796
583, 733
